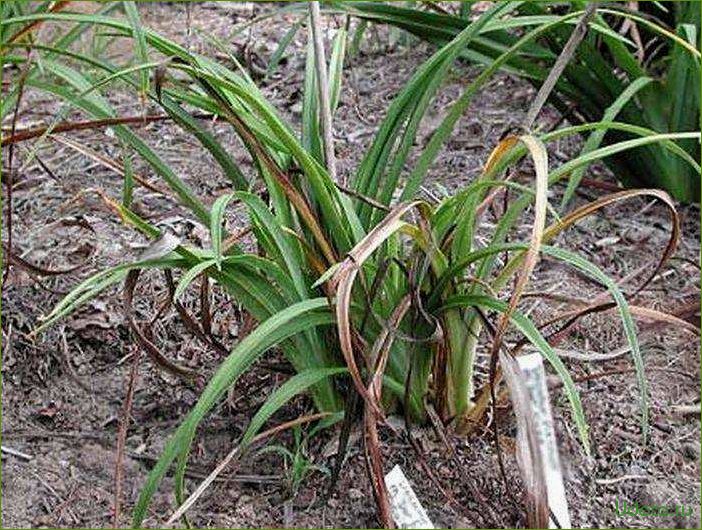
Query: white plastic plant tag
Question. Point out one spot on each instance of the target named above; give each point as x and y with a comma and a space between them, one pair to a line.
532, 368
407, 512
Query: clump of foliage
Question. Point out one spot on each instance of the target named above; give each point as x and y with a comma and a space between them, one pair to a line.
298, 465
640, 67
368, 289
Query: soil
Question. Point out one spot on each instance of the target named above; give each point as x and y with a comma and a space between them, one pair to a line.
63, 391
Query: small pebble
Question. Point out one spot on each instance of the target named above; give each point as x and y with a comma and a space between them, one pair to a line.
635, 469
296, 108
243, 500
663, 427
355, 494
691, 451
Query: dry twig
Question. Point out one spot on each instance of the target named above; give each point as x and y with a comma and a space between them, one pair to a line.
323, 88
563, 59
122, 434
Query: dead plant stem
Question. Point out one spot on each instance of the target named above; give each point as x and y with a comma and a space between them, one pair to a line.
323, 89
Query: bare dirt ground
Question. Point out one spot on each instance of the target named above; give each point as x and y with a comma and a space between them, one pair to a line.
62, 392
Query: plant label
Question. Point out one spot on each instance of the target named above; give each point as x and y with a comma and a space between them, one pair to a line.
407, 512
532, 368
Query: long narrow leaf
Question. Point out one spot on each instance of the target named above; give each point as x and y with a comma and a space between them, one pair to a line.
298, 317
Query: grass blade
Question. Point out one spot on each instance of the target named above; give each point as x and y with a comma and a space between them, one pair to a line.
132, 13
296, 318
282, 47
190, 275
597, 136
288, 390
216, 221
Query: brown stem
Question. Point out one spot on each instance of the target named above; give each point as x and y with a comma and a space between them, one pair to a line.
563, 59
145, 341
375, 468
58, 6
35, 132
122, 434
323, 89
10, 173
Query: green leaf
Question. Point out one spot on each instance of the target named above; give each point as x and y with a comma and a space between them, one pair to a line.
182, 190
216, 221
91, 287
311, 136
190, 275
358, 37
378, 174
447, 125
627, 322
298, 317
598, 135
282, 47
282, 245
326, 276
208, 140
132, 13
128, 186
336, 67
589, 269
288, 390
